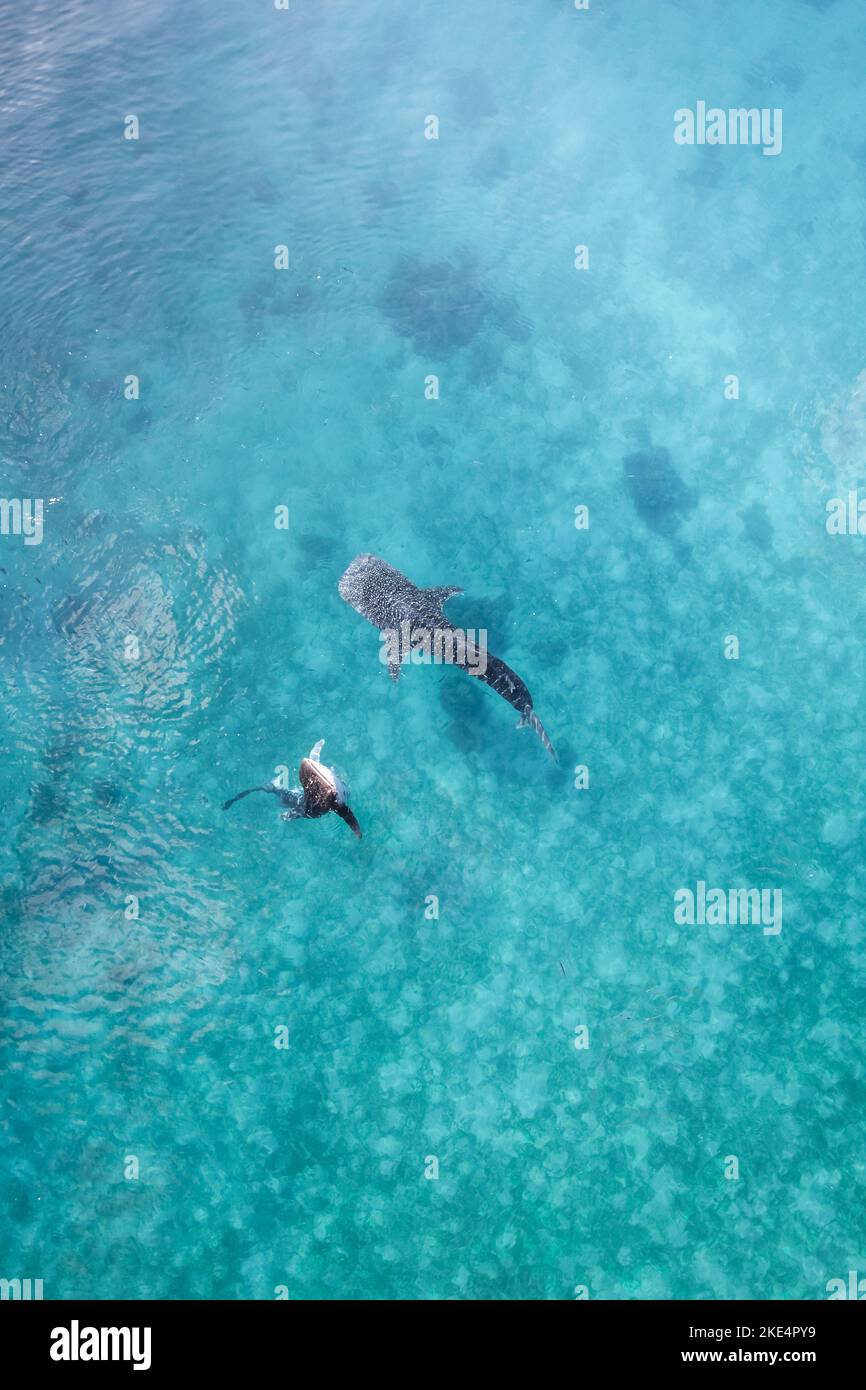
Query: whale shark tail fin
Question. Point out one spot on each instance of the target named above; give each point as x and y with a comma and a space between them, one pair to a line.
443, 592
240, 795
530, 720
345, 814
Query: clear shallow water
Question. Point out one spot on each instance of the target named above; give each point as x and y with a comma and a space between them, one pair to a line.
409, 1038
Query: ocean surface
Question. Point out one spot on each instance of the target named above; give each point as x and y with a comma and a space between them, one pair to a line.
237, 1052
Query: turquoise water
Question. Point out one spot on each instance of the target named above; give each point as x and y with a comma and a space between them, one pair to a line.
153, 1038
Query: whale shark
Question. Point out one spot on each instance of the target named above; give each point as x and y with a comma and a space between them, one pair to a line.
413, 621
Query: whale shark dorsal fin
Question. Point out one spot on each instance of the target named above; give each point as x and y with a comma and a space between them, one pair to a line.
442, 592
316, 750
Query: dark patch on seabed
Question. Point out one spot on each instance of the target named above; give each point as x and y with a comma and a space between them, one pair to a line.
757, 528
438, 306
107, 794
661, 498
442, 306
492, 165
472, 97
47, 803
316, 550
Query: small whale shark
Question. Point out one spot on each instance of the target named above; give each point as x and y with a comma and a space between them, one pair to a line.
320, 791
414, 617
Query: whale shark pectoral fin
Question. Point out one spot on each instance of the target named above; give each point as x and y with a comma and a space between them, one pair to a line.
316, 750
443, 592
345, 814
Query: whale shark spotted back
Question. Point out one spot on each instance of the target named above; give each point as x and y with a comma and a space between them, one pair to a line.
390, 601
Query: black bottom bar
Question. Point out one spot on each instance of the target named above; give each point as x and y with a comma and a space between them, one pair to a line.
164, 1339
